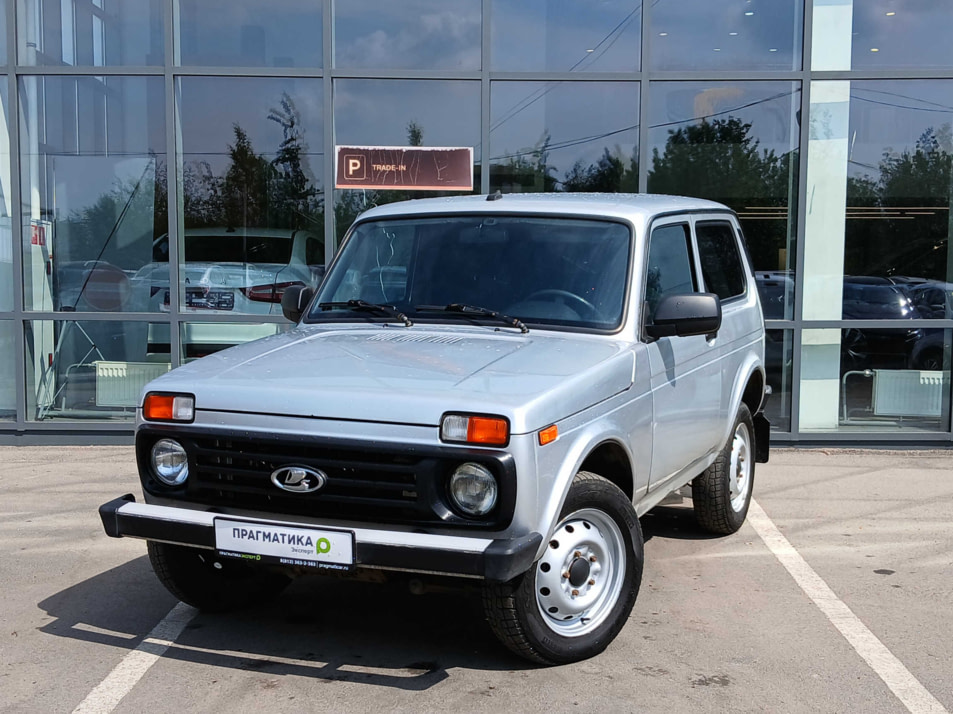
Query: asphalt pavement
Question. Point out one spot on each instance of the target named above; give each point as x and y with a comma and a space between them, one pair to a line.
833, 597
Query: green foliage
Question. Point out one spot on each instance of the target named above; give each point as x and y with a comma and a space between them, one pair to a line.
721, 161
898, 243
254, 191
526, 171
120, 226
608, 175
415, 134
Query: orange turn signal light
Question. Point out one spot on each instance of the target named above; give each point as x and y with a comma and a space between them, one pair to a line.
168, 407
488, 430
548, 435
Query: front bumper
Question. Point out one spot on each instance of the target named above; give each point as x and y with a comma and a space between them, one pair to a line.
493, 559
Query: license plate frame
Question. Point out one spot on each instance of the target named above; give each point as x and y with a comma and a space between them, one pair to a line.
294, 545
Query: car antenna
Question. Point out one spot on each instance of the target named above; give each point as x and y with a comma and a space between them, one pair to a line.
495, 196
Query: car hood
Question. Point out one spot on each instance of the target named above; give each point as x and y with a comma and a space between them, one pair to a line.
409, 376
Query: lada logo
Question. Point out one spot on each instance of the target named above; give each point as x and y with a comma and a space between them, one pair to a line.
298, 479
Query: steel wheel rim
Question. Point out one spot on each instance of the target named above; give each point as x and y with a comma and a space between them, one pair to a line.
579, 577
739, 468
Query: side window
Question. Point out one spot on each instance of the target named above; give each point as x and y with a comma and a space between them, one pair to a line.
669, 270
722, 268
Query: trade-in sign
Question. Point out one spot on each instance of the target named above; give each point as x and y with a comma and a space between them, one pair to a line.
437, 168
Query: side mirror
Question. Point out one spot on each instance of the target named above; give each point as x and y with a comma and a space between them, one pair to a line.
295, 300
686, 315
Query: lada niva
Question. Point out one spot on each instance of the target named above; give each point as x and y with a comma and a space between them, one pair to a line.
493, 388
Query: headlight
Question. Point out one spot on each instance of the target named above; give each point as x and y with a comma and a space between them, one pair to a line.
170, 462
473, 489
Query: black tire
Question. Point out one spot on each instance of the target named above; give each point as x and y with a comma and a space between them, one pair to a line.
722, 493
931, 360
596, 522
200, 578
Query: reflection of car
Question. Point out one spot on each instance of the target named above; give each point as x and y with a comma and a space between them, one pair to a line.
243, 271
870, 299
928, 352
932, 300
430, 432
233, 271
776, 288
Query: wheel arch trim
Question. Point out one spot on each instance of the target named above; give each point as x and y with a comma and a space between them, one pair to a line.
585, 445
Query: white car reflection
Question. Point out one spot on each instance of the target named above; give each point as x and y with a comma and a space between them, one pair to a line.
235, 271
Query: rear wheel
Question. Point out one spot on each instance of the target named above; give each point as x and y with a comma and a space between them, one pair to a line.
722, 493
575, 599
200, 578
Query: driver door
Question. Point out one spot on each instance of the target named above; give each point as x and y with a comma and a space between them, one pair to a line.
685, 376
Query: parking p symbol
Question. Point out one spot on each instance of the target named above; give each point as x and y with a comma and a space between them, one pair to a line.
354, 167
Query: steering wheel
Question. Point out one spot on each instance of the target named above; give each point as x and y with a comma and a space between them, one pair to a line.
566, 297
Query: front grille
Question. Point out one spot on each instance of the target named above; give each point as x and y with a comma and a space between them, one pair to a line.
238, 473
364, 483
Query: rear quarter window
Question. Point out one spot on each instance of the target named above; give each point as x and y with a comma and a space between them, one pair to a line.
722, 269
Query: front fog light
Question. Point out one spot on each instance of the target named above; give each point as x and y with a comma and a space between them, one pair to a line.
170, 462
473, 489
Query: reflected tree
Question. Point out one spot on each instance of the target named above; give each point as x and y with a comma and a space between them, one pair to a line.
246, 183
415, 134
528, 170
254, 191
899, 242
608, 175
720, 160
123, 221
293, 195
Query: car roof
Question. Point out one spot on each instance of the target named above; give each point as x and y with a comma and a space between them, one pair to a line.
635, 207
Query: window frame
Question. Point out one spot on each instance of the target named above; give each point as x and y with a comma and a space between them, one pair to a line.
681, 219
739, 252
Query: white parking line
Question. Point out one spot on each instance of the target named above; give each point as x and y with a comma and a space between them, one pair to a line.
134, 665
891, 670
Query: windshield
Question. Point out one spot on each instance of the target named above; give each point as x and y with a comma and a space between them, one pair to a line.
541, 270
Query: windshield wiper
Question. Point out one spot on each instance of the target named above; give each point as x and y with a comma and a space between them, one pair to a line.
362, 306
474, 311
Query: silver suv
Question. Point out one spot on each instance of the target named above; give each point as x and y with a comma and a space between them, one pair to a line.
489, 387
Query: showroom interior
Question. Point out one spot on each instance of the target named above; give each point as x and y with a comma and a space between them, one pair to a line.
169, 168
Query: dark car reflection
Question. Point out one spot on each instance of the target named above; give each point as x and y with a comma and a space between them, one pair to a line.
776, 290
891, 371
867, 298
870, 298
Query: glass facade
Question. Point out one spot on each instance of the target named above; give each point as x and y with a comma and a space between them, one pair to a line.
726, 34
90, 33
564, 136
565, 36
249, 33
168, 166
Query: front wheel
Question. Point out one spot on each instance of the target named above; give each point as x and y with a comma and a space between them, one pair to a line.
722, 493
200, 578
575, 599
